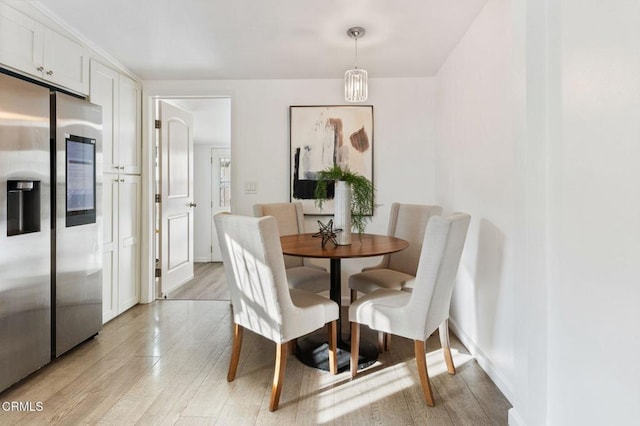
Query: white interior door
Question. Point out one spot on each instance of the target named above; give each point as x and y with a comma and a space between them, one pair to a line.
220, 193
176, 206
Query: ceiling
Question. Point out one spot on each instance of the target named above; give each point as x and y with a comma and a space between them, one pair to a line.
270, 39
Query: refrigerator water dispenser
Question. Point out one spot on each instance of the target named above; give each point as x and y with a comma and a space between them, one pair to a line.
23, 207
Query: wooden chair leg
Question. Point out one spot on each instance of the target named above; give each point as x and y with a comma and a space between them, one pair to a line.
354, 295
421, 361
355, 347
446, 348
384, 341
278, 375
333, 347
381, 338
235, 352
293, 344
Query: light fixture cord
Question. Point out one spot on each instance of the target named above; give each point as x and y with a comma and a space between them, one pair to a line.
356, 39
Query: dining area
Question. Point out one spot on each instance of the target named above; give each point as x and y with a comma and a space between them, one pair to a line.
216, 362
297, 343
279, 294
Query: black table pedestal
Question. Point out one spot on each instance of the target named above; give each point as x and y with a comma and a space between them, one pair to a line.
313, 350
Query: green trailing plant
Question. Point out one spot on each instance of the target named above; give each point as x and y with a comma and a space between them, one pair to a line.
362, 194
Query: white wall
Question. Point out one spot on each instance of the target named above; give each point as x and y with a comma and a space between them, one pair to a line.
476, 164
211, 119
594, 320
403, 137
212, 122
202, 198
211, 129
537, 137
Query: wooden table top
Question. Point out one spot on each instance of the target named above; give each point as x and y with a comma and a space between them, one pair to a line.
362, 245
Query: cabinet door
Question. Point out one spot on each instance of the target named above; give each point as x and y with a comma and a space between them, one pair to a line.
21, 42
128, 241
129, 124
104, 92
64, 62
110, 248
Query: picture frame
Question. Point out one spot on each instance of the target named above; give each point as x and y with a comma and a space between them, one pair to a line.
324, 135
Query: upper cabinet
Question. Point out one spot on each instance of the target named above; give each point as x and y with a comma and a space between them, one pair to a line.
129, 126
64, 62
120, 99
21, 41
29, 47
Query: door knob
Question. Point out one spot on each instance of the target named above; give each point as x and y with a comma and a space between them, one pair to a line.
192, 205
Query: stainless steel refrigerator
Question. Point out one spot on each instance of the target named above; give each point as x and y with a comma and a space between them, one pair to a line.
25, 230
76, 146
50, 234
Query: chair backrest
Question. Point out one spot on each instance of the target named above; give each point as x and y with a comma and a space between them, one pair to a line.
290, 221
441, 251
408, 221
256, 275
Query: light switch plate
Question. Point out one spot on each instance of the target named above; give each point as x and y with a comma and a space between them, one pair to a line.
251, 187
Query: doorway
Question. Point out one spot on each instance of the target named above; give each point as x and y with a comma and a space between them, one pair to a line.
220, 179
211, 135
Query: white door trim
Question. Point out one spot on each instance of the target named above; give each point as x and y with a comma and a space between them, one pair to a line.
151, 92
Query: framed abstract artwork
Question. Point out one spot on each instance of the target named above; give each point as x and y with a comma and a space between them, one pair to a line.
325, 135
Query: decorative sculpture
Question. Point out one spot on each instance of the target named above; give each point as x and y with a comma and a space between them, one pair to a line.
327, 233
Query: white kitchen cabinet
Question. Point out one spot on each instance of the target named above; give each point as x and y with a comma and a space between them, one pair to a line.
129, 126
28, 47
104, 92
120, 98
21, 41
110, 248
65, 63
121, 255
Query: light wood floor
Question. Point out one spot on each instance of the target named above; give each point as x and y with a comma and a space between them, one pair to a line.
166, 363
209, 283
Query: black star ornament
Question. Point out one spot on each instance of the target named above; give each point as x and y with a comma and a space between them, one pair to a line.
327, 233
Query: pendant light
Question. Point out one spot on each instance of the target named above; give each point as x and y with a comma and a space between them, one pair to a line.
355, 80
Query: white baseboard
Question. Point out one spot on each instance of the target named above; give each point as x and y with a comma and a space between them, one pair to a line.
514, 418
505, 386
201, 259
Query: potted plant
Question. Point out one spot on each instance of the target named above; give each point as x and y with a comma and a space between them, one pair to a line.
362, 198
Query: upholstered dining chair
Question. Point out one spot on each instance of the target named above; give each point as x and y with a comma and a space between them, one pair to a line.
416, 314
260, 297
396, 270
300, 273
